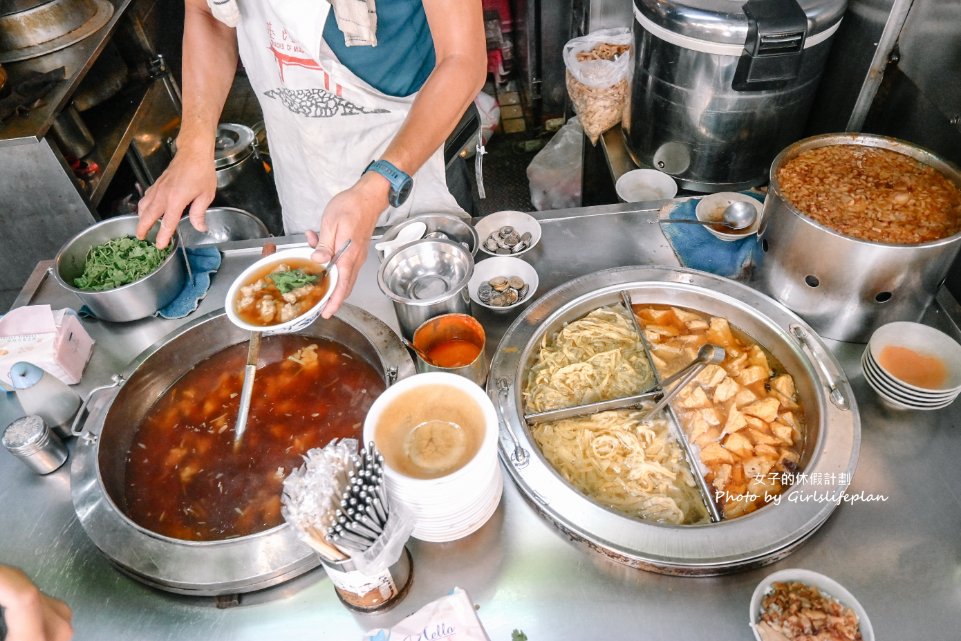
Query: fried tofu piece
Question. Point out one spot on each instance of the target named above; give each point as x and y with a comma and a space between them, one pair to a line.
719, 332
787, 402
735, 421
756, 468
726, 390
695, 424
714, 454
765, 409
736, 508
658, 315
737, 363
698, 325
710, 416
784, 385
711, 376
757, 357
685, 316
710, 435
758, 437
739, 445
693, 397
753, 374
783, 433
655, 332
768, 451
744, 397
722, 476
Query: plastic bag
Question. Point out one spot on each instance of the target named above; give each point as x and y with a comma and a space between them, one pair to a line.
451, 617
555, 172
598, 68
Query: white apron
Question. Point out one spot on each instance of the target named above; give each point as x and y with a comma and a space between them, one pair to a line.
324, 124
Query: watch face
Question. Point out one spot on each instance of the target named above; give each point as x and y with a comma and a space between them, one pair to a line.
403, 193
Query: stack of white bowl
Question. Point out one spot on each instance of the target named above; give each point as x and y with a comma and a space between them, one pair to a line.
453, 506
925, 341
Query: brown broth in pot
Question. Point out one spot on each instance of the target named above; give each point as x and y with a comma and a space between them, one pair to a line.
183, 478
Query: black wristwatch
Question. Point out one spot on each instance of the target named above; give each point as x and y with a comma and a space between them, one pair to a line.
400, 183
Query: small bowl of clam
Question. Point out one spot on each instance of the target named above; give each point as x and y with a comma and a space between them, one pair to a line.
502, 283
508, 233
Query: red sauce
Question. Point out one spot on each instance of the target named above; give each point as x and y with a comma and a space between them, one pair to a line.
453, 353
920, 370
183, 478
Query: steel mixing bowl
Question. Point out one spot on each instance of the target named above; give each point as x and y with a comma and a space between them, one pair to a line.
224, 224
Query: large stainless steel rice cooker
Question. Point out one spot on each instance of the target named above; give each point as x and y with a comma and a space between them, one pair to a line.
720, 86
772, 532
242, 179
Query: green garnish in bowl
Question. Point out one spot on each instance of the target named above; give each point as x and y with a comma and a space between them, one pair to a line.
293, 279
119, 262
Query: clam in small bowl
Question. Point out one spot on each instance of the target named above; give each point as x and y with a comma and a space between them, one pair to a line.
496, 240
264, 266
511, 274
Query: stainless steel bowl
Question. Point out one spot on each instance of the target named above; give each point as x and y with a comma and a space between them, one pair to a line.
224, 224
426, 278
770, 533
130, 302
454, 227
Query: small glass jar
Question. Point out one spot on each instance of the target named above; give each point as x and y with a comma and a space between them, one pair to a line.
34, 443
371, 593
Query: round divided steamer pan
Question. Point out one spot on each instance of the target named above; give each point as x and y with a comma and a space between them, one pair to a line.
768, 534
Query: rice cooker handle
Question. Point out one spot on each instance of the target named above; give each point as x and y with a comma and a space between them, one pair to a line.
774, 46
832, 379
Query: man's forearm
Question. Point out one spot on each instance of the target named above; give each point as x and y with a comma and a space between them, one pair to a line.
209, 66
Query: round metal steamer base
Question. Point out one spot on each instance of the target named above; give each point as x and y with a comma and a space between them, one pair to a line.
200, 568
832, 441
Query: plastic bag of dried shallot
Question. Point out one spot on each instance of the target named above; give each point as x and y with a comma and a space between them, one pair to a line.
598, 70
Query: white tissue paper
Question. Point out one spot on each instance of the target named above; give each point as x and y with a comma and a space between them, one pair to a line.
451, 618
54, 341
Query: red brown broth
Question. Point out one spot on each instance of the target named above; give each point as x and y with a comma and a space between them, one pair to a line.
183, 477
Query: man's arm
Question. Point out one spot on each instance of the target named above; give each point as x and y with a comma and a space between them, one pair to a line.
457, 27
209, 66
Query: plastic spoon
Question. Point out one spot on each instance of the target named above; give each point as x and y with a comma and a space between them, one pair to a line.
407, 234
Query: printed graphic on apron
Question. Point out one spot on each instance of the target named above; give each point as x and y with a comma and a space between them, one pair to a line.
317, 103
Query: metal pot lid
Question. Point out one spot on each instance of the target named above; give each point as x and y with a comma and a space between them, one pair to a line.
200, 568
761, 537
694, 24
234, 143
25, 41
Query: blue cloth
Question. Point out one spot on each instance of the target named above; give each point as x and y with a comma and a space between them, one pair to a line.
404, 55
697, 248
204, 261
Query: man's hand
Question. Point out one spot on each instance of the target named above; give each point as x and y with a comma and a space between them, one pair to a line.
190, 180
30, 614
351, 214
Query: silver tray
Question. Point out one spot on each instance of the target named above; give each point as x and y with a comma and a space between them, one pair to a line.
764, 536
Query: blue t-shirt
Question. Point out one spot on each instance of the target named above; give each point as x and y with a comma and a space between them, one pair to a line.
404, 55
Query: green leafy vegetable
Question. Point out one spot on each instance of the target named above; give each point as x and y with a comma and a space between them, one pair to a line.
517, 635
291, 280
118, 262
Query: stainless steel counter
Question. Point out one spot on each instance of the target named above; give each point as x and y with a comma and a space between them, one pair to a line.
900, 557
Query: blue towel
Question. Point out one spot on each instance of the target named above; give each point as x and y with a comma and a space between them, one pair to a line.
204, 261
697, 248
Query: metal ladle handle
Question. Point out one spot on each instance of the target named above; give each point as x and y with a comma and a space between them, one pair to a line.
707, 355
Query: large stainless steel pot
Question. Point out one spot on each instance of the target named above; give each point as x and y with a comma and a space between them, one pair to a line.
772, 532
716, 93
844, 287
31, 28
130, 302
198, 568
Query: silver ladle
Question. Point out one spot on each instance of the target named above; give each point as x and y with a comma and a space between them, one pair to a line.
736, 216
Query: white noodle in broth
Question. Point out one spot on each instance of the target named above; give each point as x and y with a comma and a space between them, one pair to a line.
632, 466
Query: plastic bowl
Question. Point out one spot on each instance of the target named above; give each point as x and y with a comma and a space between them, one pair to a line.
710, 208
825, 584
503, 266
645, 185
520, 221
293, 325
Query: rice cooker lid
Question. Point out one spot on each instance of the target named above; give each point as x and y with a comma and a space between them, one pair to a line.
722, 26
233, 144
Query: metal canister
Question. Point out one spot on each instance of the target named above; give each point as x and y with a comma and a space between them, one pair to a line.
242, 179
845, 287
34, 443
452, 331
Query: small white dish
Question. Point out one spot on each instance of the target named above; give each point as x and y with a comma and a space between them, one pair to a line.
710, 208
521, 222
645, 185
923, 340
503, 266
293, 325
827, 585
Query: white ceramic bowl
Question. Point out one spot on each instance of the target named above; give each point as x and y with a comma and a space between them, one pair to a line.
503, 266
895, 397
825, 584
876, 373
520, 221
293, 325
645, 185
710, 208
924, 340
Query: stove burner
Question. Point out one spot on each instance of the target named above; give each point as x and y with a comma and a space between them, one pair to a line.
25, 94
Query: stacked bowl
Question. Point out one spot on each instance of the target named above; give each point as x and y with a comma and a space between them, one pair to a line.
438, 435
913, 366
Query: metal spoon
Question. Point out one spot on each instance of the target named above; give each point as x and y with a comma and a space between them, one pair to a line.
416, 350
707, 355
736, 216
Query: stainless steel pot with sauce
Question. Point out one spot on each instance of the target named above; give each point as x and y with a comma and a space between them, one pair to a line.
831, 442
241, 545
846, 287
